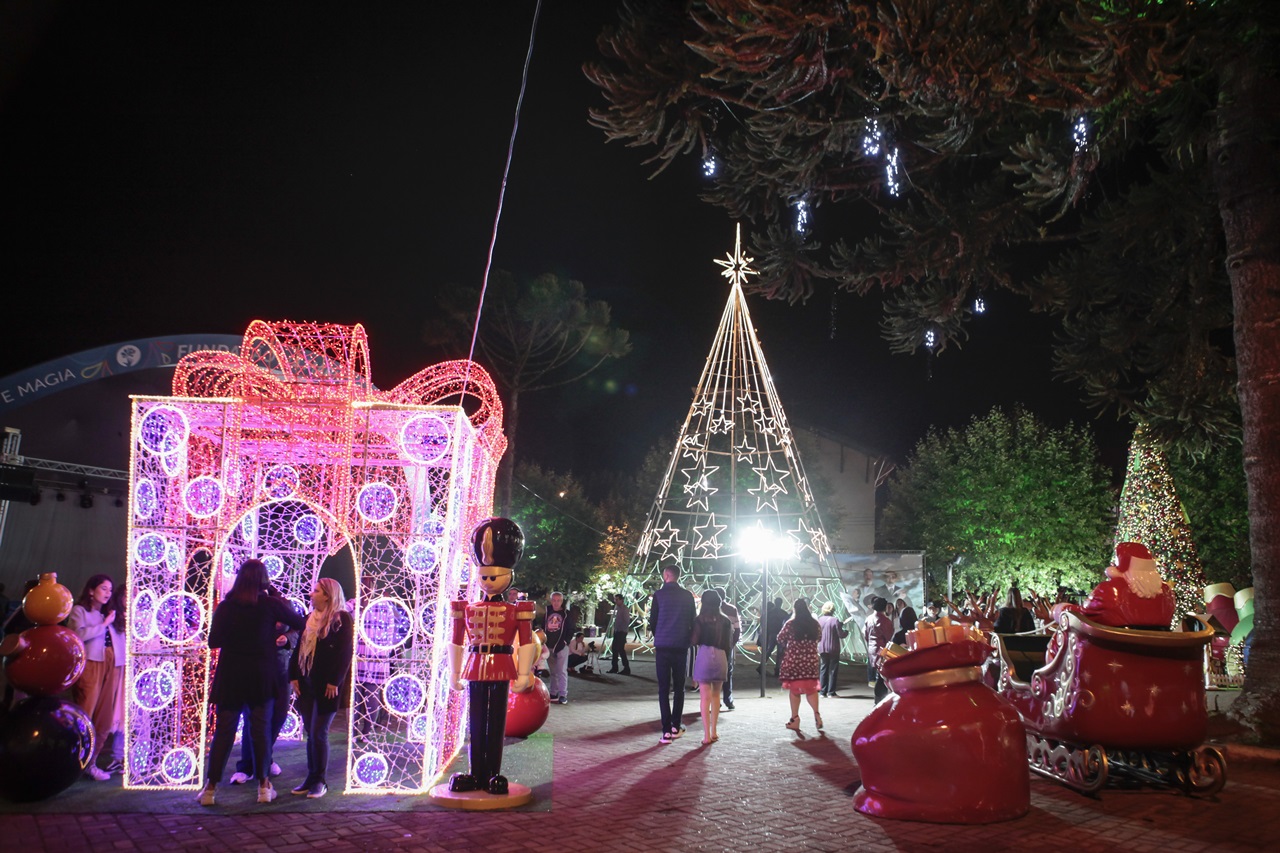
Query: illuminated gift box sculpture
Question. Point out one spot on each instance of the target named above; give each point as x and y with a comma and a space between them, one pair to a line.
286, 452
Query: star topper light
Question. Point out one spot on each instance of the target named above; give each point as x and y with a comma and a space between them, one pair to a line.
737, 267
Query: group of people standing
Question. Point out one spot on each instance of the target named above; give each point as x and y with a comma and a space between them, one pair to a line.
249, 627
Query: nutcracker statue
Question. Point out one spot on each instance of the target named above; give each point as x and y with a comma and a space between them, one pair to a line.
482, 653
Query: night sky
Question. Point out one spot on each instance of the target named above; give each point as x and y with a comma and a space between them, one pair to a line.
167, 169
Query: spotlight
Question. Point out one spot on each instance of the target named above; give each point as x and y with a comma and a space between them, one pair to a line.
86, 501
35, 497
61, 497
119, 501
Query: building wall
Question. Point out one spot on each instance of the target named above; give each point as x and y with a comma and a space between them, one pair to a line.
844, 480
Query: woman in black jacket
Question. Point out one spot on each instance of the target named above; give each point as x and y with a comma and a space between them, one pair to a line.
244, 629
318, 668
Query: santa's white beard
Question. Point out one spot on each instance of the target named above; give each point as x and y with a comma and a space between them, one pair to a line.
1144, 581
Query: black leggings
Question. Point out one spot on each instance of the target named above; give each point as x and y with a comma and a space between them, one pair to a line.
224, 737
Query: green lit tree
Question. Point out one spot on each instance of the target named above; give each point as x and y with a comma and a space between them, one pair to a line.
1213, 494
1151, 513
562, 531
535, 334
949, 149
1018, 500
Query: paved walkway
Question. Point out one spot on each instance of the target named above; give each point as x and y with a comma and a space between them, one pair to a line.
759, 789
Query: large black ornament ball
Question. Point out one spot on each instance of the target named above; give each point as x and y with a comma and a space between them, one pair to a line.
497, 542
45, 744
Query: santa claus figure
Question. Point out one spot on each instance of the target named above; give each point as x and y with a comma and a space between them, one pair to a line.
1132, 596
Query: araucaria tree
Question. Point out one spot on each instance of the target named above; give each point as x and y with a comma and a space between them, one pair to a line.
535, 334
948, 148
1019, 501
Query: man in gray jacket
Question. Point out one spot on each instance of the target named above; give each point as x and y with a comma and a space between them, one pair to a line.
671, 624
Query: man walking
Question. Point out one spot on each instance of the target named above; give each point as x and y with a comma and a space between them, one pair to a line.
671, 624
877, 631
558, 626
621, 626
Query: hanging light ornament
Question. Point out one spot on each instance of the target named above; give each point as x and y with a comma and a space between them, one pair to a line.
801, 206
1082, 133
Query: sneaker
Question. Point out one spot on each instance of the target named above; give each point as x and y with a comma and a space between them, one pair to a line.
239, 778
275, 769
665, 738
728, 706
304, 788
97, 773
116, 766
317, 791
676, 732
206, 796
266, 792
555, 697
562, 700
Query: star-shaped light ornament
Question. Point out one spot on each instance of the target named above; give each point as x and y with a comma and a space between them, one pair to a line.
694, 445
666, 539
708, 534
737, 267
809, 538
746, 450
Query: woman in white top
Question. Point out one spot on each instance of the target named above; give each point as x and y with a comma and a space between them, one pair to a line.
97, 691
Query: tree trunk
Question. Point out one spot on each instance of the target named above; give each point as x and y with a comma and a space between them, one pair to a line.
1246, 172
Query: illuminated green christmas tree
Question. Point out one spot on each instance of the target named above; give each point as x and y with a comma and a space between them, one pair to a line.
1151, 513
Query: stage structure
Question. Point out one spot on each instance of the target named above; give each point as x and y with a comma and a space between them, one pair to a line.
287, 452
735, 487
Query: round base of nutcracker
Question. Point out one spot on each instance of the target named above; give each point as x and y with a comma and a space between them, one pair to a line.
517, 795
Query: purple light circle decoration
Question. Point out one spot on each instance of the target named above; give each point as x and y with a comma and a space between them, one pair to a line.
179, 617
140, 757
420, 728
179, 765
425, 439
275, 565
173, 558
298, 605
164, 430
145, 498
386, 623
142, 621
292, 728
404, 694
203, 497
427, 618
420, 557
280, 481
371, 770
150, 548
249, 525
308, 529
155, 688
376, 502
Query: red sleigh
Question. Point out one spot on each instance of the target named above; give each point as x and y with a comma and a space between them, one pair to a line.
1118, 704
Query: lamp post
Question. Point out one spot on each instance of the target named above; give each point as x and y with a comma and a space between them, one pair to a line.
762, 546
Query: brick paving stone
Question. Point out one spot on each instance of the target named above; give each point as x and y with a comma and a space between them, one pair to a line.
759, 789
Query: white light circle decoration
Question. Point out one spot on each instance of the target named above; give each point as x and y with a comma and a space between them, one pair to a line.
149, 549
420, 728
404, 694
164, 430
420, 557
179, 617
299, 606
386, 623
155, 688
142, 616
376, 502
427, 618
292, 728
425, 439
179, 765
249, 525
203, 497
280, 481
308, 529
371, 770
173, 558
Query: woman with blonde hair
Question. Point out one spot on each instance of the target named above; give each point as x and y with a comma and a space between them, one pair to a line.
317, 669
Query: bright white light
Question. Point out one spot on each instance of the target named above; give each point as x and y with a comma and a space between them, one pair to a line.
872, 139
979, 305
802, 215
930, 338
710, 166
759, 545
1081, 133
891, 174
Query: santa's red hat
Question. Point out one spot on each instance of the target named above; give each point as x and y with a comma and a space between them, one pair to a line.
1127, 552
